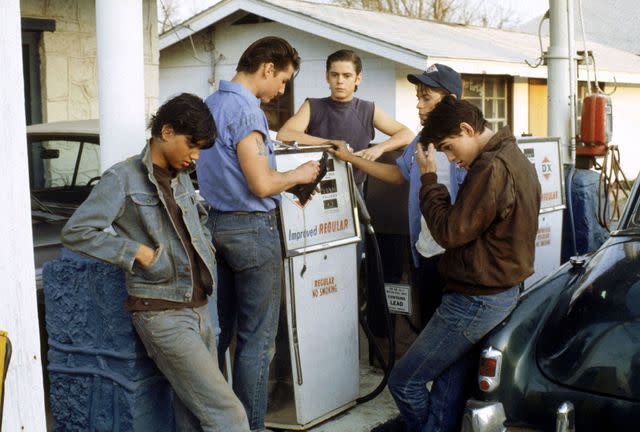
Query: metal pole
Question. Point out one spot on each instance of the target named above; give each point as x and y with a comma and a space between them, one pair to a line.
573, 79
119, 34
559, 75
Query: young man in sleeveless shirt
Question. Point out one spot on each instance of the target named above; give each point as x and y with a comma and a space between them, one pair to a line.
342, 117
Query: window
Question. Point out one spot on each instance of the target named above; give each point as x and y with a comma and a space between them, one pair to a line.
32, 29
63, 163
490, 94
31, 74
280, 108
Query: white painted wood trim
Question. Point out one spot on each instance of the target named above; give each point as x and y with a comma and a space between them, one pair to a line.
24, 392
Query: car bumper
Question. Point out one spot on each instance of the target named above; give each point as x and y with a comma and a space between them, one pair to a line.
480, 416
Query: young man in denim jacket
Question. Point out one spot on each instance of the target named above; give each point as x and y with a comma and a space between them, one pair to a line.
165, 249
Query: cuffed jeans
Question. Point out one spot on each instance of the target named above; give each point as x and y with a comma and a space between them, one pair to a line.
182, 344
441, 354
249, 259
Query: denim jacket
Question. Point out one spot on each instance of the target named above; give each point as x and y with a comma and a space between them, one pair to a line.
128, 199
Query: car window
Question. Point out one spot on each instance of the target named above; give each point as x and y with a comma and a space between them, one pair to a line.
635, 221
591, 339
53, 163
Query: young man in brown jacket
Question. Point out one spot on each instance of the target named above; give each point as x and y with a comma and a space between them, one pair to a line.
489, 240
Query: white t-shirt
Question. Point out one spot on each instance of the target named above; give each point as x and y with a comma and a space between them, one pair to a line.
426, 245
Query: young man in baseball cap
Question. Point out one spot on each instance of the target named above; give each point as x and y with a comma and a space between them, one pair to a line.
431, 86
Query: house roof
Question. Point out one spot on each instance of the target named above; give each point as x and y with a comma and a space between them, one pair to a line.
614, 23
409, 41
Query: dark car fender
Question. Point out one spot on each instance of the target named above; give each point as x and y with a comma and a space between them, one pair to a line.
520, 376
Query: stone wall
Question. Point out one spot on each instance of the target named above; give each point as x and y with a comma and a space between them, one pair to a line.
68, 68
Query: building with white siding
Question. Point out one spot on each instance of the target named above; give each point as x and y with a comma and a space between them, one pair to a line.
197, 53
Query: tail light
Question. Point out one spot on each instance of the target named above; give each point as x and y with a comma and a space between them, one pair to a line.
489, 369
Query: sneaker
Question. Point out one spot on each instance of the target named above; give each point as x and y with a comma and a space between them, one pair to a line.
396, 424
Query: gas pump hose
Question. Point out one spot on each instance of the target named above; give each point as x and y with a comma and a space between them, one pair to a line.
375, 280
610, 183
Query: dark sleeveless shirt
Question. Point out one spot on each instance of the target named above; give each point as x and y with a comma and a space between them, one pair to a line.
349, 121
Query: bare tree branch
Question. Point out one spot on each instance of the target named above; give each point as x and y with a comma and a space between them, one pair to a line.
167, 14
470, 12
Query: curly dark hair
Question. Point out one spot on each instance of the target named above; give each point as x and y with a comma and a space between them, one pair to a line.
445, 118
187, 114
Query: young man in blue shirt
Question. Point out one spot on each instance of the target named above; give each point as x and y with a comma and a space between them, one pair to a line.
239, 181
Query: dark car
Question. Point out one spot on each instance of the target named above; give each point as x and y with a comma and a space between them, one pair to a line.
64, 164
571, 347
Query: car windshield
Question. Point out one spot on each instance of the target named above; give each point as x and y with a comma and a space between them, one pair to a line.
63, 163
61, 173
633, 227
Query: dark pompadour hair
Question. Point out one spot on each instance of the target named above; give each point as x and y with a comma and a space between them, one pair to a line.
270, 49
187, 114
345, 55
445, 118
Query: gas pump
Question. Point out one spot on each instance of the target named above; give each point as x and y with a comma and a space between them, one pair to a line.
595, 125
315, 372
594, 142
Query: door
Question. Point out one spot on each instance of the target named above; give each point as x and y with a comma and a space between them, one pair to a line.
31, 72
538, 103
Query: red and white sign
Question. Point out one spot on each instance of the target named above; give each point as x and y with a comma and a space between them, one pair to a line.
544, 154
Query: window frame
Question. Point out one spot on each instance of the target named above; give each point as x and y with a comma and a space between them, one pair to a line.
495, 122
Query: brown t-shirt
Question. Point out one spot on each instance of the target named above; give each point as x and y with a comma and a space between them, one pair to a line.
489, 233
198, 269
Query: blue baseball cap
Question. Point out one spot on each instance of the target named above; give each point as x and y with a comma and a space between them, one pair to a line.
439, 76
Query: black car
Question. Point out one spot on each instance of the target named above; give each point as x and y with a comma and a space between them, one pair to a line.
571, 348
64, 164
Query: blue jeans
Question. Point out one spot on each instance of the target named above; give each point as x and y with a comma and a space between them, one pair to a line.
182, 344
442, 353
250, 265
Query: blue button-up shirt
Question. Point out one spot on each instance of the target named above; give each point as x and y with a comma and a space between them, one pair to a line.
411, 172
223, 185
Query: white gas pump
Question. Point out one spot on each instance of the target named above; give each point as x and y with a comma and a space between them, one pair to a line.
544, 154
315, 372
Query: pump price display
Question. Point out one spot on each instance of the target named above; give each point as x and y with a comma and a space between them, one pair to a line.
328, 216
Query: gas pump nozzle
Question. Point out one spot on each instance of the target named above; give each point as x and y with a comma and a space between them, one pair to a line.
304, 191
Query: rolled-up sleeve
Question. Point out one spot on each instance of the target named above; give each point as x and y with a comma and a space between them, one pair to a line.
406, 159
244, 124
